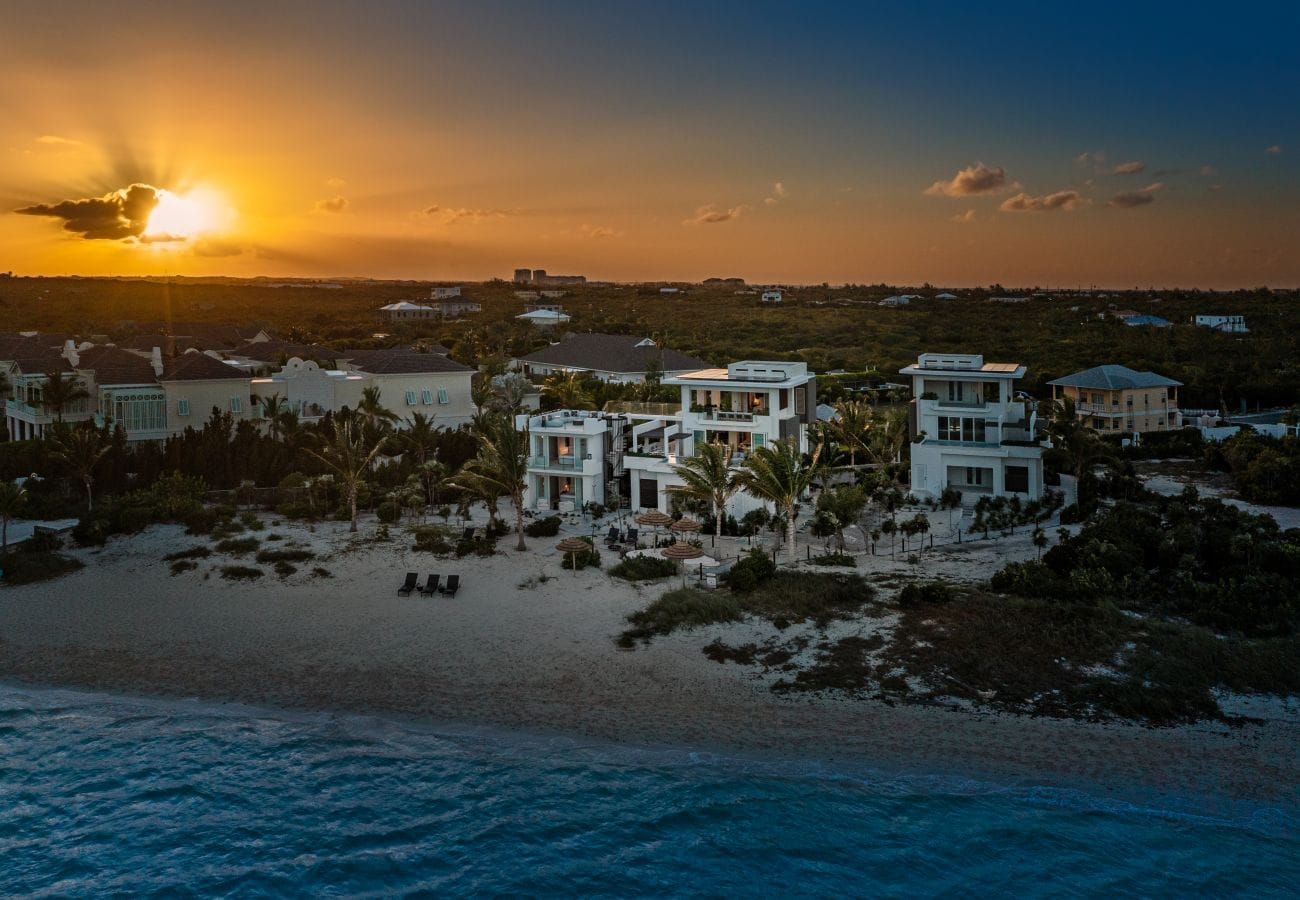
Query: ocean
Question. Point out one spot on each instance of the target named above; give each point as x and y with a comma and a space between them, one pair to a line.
101, 794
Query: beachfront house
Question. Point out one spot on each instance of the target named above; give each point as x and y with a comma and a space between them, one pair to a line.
1226, 324
572, 458
1118, 400
408, 382
614, 358
969, 431
771, 297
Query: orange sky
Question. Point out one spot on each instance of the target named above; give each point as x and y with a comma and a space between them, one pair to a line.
448, 145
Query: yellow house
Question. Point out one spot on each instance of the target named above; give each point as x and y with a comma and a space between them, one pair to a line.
1118, 400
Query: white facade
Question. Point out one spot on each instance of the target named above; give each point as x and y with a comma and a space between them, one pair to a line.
404, 311
1228, 324
444, 293
771, 297
570, 463
969, 431
544, 318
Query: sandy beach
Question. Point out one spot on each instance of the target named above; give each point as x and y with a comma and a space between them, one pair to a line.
512, 650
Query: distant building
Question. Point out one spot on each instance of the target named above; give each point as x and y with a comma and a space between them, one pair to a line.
899, 300
554, 295
771, 297
945, 296
523, 276
444, 293
1008, 299
1116, 399
1149, 321
615, 358
1227, 324
453, 309
404, 311
669, 290
544, 318
970, 432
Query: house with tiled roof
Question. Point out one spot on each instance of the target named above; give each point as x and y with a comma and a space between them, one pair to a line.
1115, 399
615, 358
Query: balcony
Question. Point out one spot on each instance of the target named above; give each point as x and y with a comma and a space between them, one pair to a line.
567, 463
726, 415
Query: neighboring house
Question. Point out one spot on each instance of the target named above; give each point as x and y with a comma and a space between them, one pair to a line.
1116, 399
945, 296
898, 300
771, 297
408, 382
1228, 324
969, 431
544, 318
456, 308
616, 358
1151, 321
445, 293
269, 354
404, 311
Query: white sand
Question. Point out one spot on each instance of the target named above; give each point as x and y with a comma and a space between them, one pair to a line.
543, 658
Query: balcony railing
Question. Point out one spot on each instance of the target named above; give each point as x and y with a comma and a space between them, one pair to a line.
559, 462
727, 415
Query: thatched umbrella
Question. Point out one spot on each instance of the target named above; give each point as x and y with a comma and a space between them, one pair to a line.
686, 525
575, 546
680, 551
655, 519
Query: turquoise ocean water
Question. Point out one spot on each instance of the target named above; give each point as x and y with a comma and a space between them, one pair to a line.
105, 795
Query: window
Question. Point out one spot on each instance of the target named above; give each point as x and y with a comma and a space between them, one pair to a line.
236, 404
649, 493
426, 396
800, 404
759, 439
991, 392
1017, 479
443, 397
182, 407
410, 398
976, 477
1099, 424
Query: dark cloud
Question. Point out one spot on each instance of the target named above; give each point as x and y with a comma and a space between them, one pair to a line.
1133, 199
332, 205
120, 215
976, 179
1065, 201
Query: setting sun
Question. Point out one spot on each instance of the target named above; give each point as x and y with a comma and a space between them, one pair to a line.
178, 217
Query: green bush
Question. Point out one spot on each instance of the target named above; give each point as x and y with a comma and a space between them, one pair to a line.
388, 512
751, 571
29, 567
581, 559
432, 539
682, 608
238, 546
547, 526
240, 573
201, 521
183, 565
275, 556
480, 546
643, 568
915, 594
250, 521
195, 552
834, 559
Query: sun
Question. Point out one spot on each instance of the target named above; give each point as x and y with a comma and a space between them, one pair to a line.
180, 217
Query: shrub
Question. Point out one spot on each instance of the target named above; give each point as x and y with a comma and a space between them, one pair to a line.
795, 596
284, 569
175, 497
250, 521
915, 594
183, 565
581, 559
547, 526
482, 546
1071, 514
238, 546
432, 539
1026, 579
240, 573
28, 567
682, 608
44, 542
274, 556
322, 572
834, 559
643, 568
195, 552
200, 521
751, 571
388, 512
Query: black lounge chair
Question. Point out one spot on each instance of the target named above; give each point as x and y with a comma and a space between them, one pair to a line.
631, 536
431, 586
409, 585
612, 538
453, 585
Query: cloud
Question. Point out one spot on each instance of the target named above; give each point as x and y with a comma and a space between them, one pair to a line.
53, 140
1064, 201
1095, 158
963, 218
333, 204
711, 215
1129, 168
596, 232
976, 179
779, 193
1134, 199
336, 183
451, 215
1207, 170
119, 215
214, 248
1275, 150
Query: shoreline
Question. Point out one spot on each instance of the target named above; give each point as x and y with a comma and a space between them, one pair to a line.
541, 661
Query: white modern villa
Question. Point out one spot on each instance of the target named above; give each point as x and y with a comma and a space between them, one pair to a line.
578, 457
969, 431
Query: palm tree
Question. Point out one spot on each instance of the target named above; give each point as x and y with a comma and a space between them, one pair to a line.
349, 456
12, 500
1077, 448
567, 391
60, 391
500, 469
373, 410
852, 427
708, 479
887, 439
272, 408
779, 474
81, 450
419, 440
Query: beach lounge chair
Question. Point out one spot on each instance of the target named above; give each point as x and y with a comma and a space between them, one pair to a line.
631, 536
431, 586
453, 585
409, 584
612, 538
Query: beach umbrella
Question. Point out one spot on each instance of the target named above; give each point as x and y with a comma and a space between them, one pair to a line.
680, 551
655, 519
686, 525
575, 546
